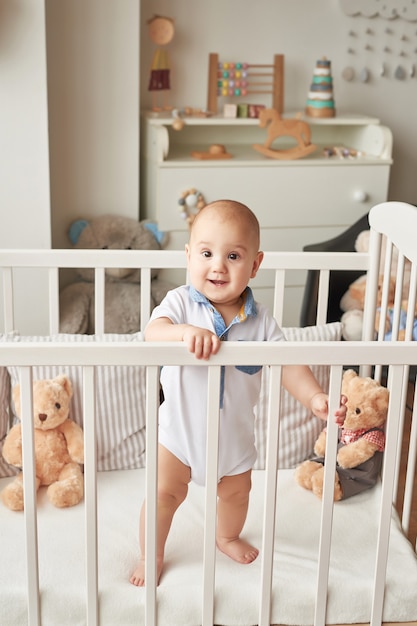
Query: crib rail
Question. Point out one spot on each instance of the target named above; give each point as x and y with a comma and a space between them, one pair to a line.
152, 355
52, 261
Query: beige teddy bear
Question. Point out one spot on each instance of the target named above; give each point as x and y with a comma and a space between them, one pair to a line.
59, 446
361, 441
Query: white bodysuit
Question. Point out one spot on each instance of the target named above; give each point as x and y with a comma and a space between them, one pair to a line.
182, 415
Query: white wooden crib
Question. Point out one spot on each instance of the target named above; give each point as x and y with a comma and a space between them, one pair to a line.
319, 563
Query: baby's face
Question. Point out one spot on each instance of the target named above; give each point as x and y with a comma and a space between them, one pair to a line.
222, 257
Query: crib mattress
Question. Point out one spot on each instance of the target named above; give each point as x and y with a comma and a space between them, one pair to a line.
62, 563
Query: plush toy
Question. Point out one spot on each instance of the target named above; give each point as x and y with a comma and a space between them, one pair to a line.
59, 447
352, 302
122, 298
361, 441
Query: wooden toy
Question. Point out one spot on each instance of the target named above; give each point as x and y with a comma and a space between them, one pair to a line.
190, 203
278, 127
240, 79
161, 32
320, 102
215, 151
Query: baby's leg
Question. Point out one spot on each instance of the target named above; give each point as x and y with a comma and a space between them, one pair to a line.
233, 492
173, 479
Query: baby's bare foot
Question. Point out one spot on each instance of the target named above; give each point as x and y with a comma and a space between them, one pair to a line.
238, 550
138, 576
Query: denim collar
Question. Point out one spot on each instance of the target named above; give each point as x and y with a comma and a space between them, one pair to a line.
248, 309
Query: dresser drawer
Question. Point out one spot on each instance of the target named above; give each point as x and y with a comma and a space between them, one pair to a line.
281, 195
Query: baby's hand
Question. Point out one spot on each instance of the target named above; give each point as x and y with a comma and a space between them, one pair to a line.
320, 407
201, 342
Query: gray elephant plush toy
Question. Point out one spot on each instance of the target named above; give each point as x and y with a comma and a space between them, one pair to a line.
122, 297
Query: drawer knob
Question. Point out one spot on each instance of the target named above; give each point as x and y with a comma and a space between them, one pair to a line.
360, 196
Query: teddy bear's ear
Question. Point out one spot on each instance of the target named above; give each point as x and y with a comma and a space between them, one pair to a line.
75, 230
65, 383
348, 375
159, 235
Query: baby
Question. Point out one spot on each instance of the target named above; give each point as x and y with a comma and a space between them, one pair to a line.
223, 255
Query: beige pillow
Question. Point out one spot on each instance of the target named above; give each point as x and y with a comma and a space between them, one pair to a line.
120, 402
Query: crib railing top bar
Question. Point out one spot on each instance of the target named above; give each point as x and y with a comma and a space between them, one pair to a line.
161, 259
231, 353
92, 258
315, 260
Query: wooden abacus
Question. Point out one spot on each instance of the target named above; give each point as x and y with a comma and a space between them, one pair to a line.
257, 79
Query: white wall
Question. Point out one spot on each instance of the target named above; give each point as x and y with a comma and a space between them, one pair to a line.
24, 154
93, 85
303, 31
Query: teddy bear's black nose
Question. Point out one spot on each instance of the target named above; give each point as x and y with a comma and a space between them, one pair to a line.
42, 416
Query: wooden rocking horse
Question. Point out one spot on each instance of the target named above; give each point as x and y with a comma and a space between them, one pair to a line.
278, 127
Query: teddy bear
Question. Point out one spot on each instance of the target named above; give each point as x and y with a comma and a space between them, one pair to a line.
361, 441
122, 295
352, 302
59, 446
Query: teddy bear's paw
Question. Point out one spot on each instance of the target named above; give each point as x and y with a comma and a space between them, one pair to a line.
12, 495
69, 489
320, 445
338, 492
318, 483
304, 473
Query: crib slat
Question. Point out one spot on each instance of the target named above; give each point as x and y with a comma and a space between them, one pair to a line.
212, 454
323, 296
328, 497
279, 289
53, 275
152, 404
31, 527
145, 296
90, 488
395, 388
271, 475
8, 300
99, 293
411, 468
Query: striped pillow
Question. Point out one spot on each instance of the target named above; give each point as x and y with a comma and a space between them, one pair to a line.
5, 469
120, 402
299, 428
